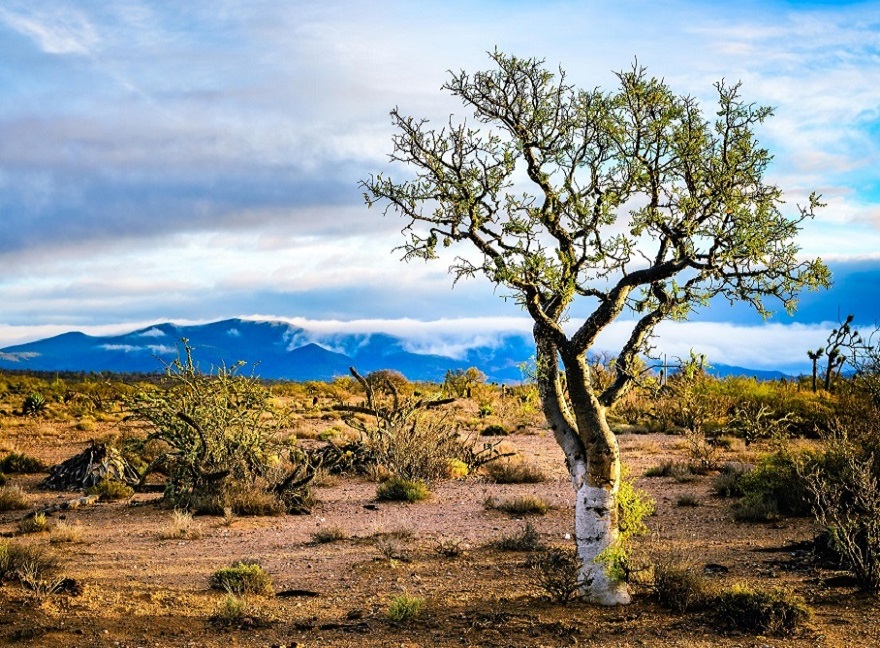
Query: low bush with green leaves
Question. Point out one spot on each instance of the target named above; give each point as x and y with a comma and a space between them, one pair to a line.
398, 489
773, 612
110, 490
242, 577
405, 607
21, 463
33, 524
222, 432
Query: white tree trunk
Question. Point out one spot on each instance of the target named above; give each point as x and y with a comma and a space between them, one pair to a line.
595, 531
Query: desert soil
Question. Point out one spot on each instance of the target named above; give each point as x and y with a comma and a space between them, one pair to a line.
141, 590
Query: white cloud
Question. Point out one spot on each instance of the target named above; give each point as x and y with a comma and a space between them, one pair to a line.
56, 30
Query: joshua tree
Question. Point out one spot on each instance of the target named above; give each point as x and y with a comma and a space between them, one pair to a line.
595, 206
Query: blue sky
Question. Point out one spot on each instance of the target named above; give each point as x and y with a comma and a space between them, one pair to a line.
195, 161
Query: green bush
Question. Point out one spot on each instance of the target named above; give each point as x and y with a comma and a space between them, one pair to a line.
242, 577
20, 463
34, 404
222, 432
773, 612
680, 587
109, 490
774, 488
405, 607
495, 430
398, 489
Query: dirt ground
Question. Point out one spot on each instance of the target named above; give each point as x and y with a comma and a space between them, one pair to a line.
141, 590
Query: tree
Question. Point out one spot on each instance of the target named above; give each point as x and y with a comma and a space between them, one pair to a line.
624, 205
844, 344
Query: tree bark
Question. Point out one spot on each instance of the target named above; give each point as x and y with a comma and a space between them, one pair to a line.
593, 460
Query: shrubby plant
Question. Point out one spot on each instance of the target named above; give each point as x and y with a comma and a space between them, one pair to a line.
221, 432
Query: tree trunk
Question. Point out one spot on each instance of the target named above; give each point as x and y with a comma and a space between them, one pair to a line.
593, 461
596, 517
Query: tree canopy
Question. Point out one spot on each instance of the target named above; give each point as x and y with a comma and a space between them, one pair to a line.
632, 198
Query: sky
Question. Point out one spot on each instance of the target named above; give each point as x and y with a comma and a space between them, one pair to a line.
189, 162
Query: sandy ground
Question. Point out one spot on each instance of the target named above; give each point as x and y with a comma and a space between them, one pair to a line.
141, 590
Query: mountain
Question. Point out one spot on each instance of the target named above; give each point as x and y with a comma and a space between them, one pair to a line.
279, 350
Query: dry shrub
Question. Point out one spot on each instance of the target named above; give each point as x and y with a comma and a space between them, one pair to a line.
557, 572
526, 539
523, 505
328, 535
680, 586
66, 532
512, 471
13, 498
181, 527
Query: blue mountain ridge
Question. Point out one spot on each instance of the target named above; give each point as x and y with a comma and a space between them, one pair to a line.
278, 351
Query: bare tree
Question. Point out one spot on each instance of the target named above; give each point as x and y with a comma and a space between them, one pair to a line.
623, 205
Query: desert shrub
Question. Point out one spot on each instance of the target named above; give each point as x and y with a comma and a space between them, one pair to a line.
678, 470
687, 500
526, 539
775, 487
728, 482
495, 430
34, 404
845, 492
181, 527
13, 498
509, 471
242, 577
109, 490
232, 612
456, 469
33, 524
522, 505
405, 435
680, 587
450, 547
66, 532
18, 560
557, 573
398, 489
254, 498
3, 479
328, 535
405, 607
221, 428
774, 612
20, 463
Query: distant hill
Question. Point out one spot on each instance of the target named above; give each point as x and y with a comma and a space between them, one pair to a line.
280, 350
